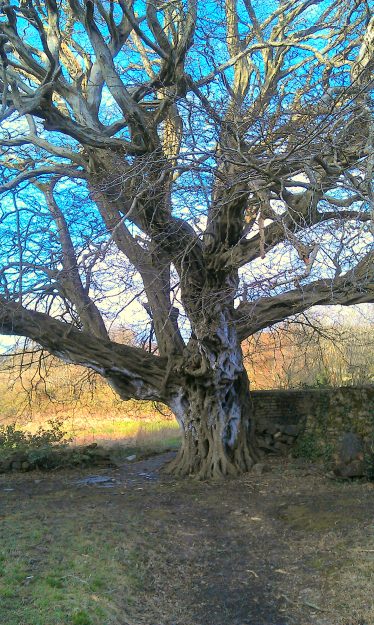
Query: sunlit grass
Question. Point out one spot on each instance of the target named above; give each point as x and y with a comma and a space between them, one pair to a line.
87, 417
123, 431
143, 436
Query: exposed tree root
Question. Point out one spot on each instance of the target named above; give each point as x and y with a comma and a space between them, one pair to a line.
216, 465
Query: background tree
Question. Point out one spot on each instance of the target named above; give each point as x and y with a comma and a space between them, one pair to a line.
312, 350
219, 155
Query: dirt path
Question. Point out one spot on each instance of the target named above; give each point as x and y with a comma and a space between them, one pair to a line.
290, 547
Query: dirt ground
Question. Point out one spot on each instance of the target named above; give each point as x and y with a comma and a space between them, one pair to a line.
289, 547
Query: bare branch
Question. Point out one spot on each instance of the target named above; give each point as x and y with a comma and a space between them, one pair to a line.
131, 371
354, 287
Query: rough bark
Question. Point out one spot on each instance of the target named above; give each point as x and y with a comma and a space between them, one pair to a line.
211, 399
218, 437
132, 372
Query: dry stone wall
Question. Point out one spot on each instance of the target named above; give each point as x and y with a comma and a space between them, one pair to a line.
281, 415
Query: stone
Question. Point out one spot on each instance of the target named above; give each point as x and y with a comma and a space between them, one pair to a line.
351, 448
288, 439
267, 448
261, 428
130, 458
25, 466
18, 456
300, 463
282, 447
291, 430
350, 459
356, 468
260, 468
271, 428
96, 479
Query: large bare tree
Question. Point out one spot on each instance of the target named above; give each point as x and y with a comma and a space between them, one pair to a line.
223, 150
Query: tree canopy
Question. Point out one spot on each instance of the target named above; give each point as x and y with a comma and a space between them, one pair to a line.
214, 159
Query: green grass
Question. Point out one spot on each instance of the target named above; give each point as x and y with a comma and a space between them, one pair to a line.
65, 564
69, 568
137, 554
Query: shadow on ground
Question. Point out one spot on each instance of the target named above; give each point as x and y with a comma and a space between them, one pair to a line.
290, 547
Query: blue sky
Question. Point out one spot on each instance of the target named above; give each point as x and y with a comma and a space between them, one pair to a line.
191, 196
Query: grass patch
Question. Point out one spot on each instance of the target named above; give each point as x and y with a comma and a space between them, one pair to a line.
302, 517
68, 569
145, 433
179, 552
81, 618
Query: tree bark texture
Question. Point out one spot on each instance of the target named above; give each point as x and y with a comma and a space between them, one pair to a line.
217, 428
212, 404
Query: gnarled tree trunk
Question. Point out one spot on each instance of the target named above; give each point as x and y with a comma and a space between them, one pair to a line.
218, 437
213, 405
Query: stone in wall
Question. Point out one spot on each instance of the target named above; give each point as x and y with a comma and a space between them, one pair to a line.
281, 415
